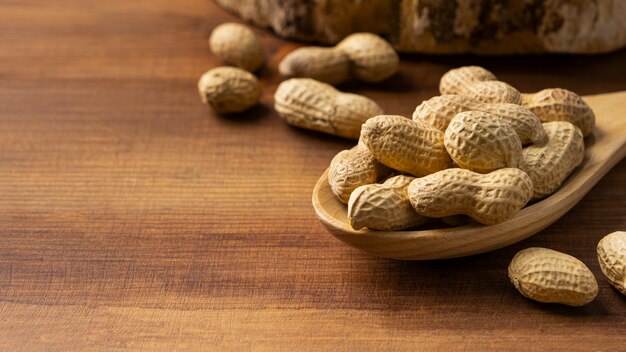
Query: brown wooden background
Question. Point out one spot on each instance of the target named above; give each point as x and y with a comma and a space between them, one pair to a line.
132, 218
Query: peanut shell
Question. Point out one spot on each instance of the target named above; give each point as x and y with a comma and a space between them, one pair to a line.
237, 45
556, 104
487, 198
352, 168
383, 206
405, 145
372, 59
482, 142
612, 259
549, 165
548, 276
307, 103
229, 89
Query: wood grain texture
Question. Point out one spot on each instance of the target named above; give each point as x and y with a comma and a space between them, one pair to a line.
131, 218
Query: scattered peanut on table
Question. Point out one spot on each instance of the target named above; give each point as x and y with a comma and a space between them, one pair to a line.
318, 106
612, 257
549, 276
237, 45
364, 56
229, 89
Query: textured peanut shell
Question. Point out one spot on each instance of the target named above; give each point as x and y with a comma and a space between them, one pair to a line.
314, 105
548, 276
237, 45
458, 80
549, 165
440, 110
612, 259
482, 142
487, 198
556, 104
494, 92
322, 64
383, 206
229, 89
372, 59
352, 168
405, 145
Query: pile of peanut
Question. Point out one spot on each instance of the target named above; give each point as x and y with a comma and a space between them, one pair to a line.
481, 149
478, 152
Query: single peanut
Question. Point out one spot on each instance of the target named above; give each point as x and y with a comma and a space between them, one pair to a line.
549, 165
558, 104
383, 206
439, 111
327, 65
352, 168
229, 89
237, 45
612, 258
364, 56
372, 59
548, 276
307, 103
405, 145
482, 142
457, 81
494, 92
480, 84
487, 198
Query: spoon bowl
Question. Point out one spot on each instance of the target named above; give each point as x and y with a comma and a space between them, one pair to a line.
605, 148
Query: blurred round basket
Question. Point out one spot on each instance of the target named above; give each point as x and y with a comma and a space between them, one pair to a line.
449, 26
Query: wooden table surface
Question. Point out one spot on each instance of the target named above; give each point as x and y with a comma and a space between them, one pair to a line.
132, 218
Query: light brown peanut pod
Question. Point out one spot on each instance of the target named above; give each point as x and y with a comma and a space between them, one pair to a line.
440, 110
481, 142
487, 198
480, 84
527, 126
494, 92
405, 145
327, 65
612, 259
549, 165
307, 103
352, 168
556, 104
237, 45
372, 59
457, 81
229, 89
383, 206
548, 276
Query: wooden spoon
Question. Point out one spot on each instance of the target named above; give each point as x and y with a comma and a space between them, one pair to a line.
605, 148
